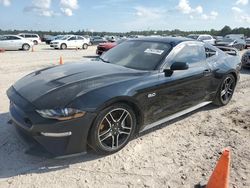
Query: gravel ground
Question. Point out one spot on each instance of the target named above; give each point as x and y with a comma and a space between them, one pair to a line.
181, 153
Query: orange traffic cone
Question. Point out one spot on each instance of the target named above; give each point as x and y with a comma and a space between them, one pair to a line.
220, 175
61, 60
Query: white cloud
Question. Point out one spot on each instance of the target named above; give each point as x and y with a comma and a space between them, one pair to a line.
195, 13
212, 16
185, 8
5, 3
147, 18
240, 15
148, 13
237, 10
41, 8
67, 11
241, 2
67, 6
72, 4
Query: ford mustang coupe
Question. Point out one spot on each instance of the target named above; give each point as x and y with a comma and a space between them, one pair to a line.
135, 86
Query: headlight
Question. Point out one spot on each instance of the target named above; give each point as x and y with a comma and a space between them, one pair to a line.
61, 113
56, 43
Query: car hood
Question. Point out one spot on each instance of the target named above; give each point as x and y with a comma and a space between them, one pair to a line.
57, 86
223, 43
57, 41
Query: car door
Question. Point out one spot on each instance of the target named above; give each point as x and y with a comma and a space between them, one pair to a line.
183, 88
16, 42
72, 42
3, 42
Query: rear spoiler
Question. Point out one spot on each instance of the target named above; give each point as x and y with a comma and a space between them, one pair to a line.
228, 50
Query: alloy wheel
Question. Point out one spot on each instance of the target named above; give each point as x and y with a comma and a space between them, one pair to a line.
227, 89
115, 129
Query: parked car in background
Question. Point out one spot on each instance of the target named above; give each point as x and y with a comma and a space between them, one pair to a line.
15, 42
204, 38
218, 38
31, 36
239, 40
103, 47
235, 43
97, 40
70, 41
245, 60
51, 38
247, 42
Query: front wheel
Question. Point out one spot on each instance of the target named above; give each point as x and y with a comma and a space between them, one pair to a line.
226, 90
112, 129
63, 46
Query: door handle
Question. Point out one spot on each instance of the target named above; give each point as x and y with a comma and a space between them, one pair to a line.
207, 71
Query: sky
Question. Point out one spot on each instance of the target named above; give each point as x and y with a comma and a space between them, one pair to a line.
123, 15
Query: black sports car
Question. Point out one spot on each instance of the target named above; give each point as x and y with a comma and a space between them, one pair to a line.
135, 86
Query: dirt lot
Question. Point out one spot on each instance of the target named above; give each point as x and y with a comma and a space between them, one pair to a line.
181, 153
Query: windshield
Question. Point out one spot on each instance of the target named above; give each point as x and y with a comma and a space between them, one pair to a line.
141, 55
64, 37
193, 36
227, 40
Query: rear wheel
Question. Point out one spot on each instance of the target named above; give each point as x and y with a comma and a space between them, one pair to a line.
112, 129
63, 46
35, 42
26, 47
226, 90
84, 46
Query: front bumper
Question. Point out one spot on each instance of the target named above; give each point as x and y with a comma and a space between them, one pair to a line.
54, 45
57, 137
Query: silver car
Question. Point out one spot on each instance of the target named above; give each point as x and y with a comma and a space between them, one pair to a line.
14, 42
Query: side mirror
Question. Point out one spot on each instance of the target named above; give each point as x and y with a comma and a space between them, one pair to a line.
175, 66
179, 66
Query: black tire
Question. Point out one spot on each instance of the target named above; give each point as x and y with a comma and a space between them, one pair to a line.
105, 132
63, 46
26, 47
85, 46
226, 90
35, 42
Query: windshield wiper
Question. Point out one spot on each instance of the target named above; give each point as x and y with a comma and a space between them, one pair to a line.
103, 60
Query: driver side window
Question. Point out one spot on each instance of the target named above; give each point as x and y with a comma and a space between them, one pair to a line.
190, 54
72, 38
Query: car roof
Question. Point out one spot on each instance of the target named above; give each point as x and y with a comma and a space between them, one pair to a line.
12, 35
170, 40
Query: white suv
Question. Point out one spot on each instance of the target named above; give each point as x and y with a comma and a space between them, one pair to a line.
204, 38
70, 41
33, 37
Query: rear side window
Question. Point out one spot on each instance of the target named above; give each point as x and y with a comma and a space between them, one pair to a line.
205, 38
190, 54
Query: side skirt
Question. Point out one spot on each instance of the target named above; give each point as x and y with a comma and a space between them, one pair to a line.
176, 115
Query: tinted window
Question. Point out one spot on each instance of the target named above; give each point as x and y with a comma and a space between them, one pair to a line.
140, 55
13, 38
205, 38
72, 38
28, 36
80, 38
190, 54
